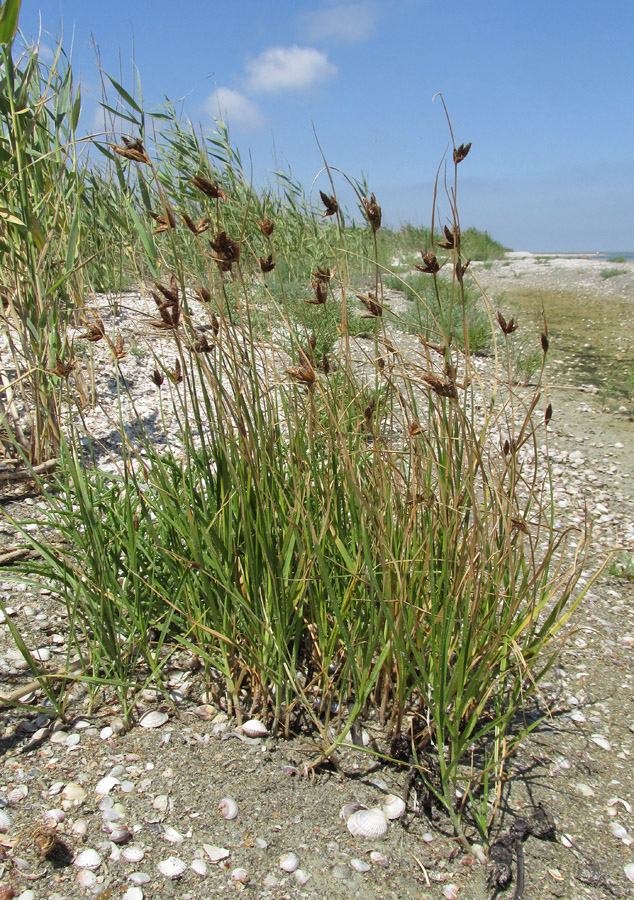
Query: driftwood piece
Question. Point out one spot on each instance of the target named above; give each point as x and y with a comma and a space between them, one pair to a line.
25, 474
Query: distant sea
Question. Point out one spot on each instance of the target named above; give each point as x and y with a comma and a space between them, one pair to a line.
599, 254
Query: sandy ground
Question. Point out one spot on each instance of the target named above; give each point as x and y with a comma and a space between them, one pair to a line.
166, 783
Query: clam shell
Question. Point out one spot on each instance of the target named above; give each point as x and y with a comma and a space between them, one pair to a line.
215, 854
88, 859
240, 875
106, 784
153, 719
349, 809
55, 815
629, 871
172, 867
360, 865
5, 821
199, 866
289, 861
368, 823
139, 878
172, 835
254, 729
228, 808
393, 806
301, 877
74, 793
86, 879
119, 834
133, 853
133, 893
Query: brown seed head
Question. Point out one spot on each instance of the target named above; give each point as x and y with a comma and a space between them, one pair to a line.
320, 289
202, 345
302, 374
430, 264
507, 327
372, 212
203, 294
548, 414
215, 324
266, 226
177, 373
133, 150
63, 369
117, 349
440, 387
164, 222
460, 152
267, 265
450, 239
209, 188
414, 428
545, 343
96, 331
375, 310
202, 225
157, 377
332, 207
368, 412
226, 251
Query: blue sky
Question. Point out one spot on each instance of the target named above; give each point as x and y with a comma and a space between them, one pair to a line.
544, 90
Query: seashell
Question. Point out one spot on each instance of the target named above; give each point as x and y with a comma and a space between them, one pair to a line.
6, 821
228, 808
240, 875
199, 866
360, 865
341, 870
368, 823
52, 815
261, 843
172, 867
450, 891
254, 729
86, 879
139, 878
161, 802
88, 859
119, 834
349, 809
393, 806
379, 859
584, 789
106, 784
478, 853
17, 794
600, 741
301, 877
106, 733
133, 853
115, 853
614, 801
80, 828
133, 893
215, 854
74, 793
289, 861
618, 831
629, 871
154, 719
172, 835
58, 737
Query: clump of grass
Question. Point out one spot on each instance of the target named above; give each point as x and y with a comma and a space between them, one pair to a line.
612, 273
617, 259
337, 540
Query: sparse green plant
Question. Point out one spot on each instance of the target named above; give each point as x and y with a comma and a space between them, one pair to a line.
612, 273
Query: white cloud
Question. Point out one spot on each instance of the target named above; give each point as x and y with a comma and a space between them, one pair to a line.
288, 69
234, 109
341, 22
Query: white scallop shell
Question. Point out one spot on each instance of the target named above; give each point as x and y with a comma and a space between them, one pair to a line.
349, 808
17, 794
88, 859
133, 893
5, 821
393, 806
86, 879
172, 835
153, 719
629, 871
240, 875
368, 823
228, 808
289, 861
172, 867
139, 878
133, 854
254, 729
